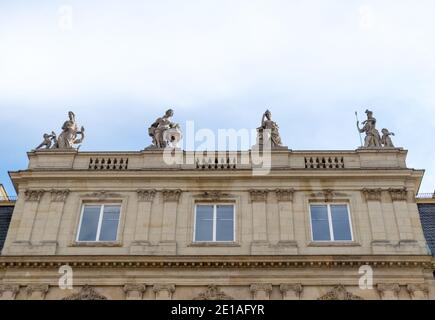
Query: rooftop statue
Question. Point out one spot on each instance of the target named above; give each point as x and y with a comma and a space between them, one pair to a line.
48, 141
164, 132
386, 140
373, 138
67, 139
269, 130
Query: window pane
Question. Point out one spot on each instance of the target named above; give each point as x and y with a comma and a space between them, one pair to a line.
340, 222
204, 223
319, 222
109, 225
88, 229
225, 223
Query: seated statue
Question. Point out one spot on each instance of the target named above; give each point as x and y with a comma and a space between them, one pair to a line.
386, 140
67, 139
271, 129
164, 132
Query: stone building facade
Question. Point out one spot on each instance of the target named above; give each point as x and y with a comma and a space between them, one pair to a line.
132, 226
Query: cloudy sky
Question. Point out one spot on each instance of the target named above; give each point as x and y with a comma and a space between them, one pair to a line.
121, 64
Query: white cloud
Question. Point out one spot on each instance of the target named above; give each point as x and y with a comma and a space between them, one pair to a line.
316, 61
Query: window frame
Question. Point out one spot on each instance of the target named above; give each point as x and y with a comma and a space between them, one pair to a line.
331, 228
100, 222
214, 204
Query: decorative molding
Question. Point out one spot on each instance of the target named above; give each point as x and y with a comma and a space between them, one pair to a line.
284, 194
328, 195
171, 195
266, 262
103, 195
213, 293
258, 195
384, 288
134, 291
372, 194
41, 288
296, 288
417, 287
146, 195
59, 195
399, 194
214, 195
170, 288
86, 293
128, 287
33, 195
12, 288
266, 287
339, 292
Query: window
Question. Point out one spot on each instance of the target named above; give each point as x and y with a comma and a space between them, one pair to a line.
99, 223
214, 223
330, 222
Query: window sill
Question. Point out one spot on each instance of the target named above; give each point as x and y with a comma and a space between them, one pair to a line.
96, 244
334, 244
214, 244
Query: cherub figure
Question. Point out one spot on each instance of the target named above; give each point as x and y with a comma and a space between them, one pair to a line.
386, 140
48, 141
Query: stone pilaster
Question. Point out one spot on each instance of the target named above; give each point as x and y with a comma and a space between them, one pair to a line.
401, 212
37, 291
388, 291
286, 219
32, 199
170, 198
134, 291
373, 198
261, 291
418, 291
58, 198
259, 219
143, 215
8, 291
164, 291
291, 291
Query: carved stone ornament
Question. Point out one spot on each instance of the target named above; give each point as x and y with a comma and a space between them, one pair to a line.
384, 288
418, 287
294, 287
32, 288
59, 195
340, 293
171, 195
86, 293
266, 287
372, 194
258, 195
213, 195
328, 195
33, 195
284, 194
13, 289
400, 194
129, 287
146, 195
213, 293
170, 288
102, 195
